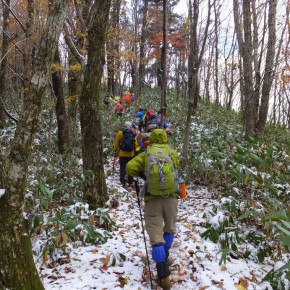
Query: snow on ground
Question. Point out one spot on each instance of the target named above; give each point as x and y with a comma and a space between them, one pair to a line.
120, 263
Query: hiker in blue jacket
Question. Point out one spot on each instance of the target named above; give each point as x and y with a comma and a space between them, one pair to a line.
155, 119
140, 115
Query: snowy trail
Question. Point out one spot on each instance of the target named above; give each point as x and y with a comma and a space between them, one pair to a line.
196, 263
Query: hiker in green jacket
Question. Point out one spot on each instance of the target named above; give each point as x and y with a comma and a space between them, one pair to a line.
159, 164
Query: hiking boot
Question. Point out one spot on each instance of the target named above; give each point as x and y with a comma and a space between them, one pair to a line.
169, 261
163, 275
165, 283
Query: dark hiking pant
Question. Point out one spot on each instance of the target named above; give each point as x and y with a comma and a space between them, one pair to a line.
123, 161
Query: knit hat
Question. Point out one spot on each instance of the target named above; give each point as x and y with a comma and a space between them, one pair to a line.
150, 127
145, 136
128, 124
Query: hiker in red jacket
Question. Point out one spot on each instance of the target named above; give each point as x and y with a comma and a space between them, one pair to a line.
118, 108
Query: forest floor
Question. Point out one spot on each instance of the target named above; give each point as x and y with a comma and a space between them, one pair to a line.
120, 263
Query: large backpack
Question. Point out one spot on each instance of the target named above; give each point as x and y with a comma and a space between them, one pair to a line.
160, 171
128, 140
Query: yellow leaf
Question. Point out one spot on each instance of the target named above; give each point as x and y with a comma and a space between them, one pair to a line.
57, 239
64, 238
240, 287
94, 251
223, 268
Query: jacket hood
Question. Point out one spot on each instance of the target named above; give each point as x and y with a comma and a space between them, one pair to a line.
158, 136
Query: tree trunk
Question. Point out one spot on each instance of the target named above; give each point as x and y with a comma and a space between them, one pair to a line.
164, 64
95, 190
194, 60
216, 59
193, 17
269, 68
57, 84
17, 266
113, 47
4, 48
250, 101
142, 49
75, 80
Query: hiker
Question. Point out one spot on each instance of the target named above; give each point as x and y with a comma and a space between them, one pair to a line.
118, 108
111, 99
154, 123
151, 127
143, 140
140, 115
132, 97
108, 99
127, 98
125, 142
155, 119
159, 165
147, 117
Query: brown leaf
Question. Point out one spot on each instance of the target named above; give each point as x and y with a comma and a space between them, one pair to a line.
119, 273
104, 268
106, 260
244, 283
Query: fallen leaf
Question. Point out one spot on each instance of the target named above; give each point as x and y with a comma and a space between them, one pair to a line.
119, 273
223, 268
106, 260
244, 283
240, 287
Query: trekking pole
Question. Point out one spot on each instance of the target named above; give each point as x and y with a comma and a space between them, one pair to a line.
114, 161
139, 205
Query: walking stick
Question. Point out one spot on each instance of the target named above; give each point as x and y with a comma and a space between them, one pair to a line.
114, 163
139, 205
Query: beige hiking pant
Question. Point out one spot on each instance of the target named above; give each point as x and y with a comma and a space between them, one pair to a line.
160, 217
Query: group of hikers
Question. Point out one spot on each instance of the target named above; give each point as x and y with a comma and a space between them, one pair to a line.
119, 103
144, 152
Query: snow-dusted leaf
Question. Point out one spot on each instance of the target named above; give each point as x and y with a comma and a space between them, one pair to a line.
106, 260
244, 283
